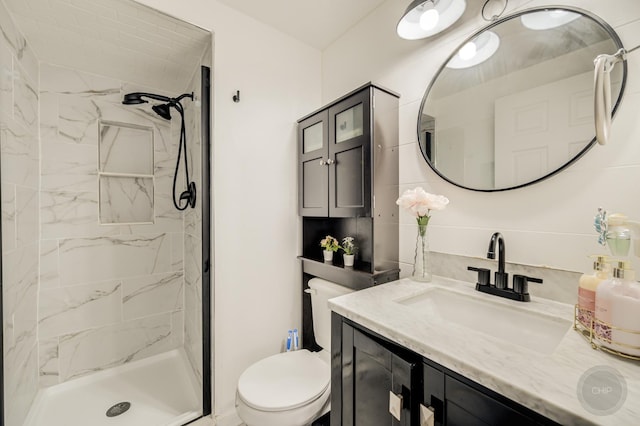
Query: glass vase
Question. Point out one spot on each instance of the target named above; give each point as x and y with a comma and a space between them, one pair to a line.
422, 258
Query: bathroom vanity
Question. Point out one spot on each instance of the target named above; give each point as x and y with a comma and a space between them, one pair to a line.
467, 357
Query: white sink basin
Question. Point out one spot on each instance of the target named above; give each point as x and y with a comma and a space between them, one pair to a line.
536, 331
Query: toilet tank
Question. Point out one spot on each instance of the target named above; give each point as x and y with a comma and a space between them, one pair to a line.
321, 292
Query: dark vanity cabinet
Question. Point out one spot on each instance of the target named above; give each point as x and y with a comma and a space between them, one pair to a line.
375, 377
369, 372
457, 401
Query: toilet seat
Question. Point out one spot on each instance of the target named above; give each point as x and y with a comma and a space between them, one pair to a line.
284, 381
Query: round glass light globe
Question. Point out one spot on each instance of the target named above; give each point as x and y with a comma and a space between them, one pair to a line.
429, 19
557, 14
468, 51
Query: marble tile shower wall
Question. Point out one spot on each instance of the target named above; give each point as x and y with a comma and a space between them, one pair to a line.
193, 238
110, 293
19, 201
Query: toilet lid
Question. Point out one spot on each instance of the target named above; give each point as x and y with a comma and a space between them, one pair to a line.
284, 381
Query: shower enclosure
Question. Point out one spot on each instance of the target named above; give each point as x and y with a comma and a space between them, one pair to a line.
105, 262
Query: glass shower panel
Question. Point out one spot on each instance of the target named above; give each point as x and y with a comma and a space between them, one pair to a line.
103, 284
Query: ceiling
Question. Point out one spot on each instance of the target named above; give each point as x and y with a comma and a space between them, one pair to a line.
117, 38
129, 41
315, 22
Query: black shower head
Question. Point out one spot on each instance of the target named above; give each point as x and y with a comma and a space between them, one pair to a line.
136, 98
133, 99
163, 110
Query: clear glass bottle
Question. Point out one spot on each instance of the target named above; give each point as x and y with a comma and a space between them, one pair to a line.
421, 258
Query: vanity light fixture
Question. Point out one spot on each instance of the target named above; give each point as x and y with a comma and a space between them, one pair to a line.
547, 19
424, 18
476, 51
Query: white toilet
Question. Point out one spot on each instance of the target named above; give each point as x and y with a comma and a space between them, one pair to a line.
292, 388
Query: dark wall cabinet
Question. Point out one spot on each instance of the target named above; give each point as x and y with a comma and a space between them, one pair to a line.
348, 186
335, 159
348, 177
371, 376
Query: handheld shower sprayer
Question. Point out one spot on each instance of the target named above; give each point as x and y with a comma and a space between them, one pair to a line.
163, 109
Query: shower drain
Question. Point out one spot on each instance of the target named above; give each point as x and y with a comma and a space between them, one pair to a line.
117, 409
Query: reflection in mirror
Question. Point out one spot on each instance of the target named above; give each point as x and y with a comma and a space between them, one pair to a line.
514, 103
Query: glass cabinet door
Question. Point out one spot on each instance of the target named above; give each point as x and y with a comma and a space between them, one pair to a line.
312, 138
313, 168
349, 123
350, 155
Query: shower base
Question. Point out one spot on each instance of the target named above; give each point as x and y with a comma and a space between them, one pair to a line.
160, 390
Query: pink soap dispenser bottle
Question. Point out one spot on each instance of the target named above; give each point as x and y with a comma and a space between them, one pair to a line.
587, 286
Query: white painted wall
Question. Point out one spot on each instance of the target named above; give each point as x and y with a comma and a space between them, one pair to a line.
548, 224
256, 274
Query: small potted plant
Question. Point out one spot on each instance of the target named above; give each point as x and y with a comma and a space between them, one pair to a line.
349, 248
330, 245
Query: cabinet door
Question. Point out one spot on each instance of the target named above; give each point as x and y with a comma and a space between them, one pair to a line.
350, 156
433, 392
466, 406
313, 169
377, 373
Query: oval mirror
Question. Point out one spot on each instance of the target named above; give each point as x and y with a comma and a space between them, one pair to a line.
514, 103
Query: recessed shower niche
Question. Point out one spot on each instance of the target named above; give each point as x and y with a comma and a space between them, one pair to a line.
105, 297
126, 173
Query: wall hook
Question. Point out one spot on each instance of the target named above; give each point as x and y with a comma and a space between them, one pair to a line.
236, 97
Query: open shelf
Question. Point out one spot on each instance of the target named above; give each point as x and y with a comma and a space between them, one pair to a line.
356, 277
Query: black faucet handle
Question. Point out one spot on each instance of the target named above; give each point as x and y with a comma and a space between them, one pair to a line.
520, 283
484, 275
501, 280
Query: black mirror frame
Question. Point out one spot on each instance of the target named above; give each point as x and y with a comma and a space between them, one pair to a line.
614, 37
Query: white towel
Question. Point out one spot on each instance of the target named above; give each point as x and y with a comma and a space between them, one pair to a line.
602, 94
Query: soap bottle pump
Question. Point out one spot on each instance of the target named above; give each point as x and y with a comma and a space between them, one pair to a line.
606, 292
587, 285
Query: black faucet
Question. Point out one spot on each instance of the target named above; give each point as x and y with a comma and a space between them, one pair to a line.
520, 290
501, 277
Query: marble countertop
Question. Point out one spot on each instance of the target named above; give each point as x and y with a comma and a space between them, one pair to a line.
546, 383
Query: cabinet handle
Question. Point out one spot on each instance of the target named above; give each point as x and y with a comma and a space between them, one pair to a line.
330, 162
427, 416
395, 405
323, 163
